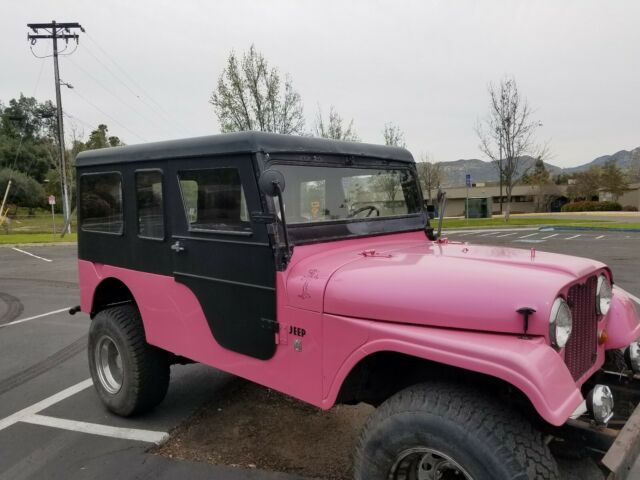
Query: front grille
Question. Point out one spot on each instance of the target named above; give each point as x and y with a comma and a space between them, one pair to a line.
581, 349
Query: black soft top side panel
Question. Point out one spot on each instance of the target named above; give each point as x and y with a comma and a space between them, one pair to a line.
241, 142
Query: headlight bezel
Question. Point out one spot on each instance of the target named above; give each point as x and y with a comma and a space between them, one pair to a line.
560, 332
603, 304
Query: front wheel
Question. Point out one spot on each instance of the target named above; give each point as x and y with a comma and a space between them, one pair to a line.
442, 431
129, 375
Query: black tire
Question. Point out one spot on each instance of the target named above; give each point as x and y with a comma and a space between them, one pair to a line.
489, 441
144, 369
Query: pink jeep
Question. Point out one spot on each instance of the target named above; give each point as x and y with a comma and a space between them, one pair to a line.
336, 289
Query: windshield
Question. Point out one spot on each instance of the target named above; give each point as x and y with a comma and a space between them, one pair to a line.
316, 194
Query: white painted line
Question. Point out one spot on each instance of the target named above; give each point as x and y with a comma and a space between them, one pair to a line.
149, 436
487, 234
530, 235
16, 322
632, 297
46, 403
571, 238
506, 234
31, 254
550, 236
601, 236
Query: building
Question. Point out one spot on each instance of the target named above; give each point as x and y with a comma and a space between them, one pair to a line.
525, 198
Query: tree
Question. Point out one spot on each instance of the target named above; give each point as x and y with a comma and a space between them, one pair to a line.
393, 136
99, 138
250, 95
335, 128
25, 191
633, 171
27, 132
612, 180
507, 133
430, 174
544, 188
585, 185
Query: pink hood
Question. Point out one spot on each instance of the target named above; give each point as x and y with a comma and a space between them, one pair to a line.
407, 279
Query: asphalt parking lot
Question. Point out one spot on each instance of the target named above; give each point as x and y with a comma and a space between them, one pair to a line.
52, 424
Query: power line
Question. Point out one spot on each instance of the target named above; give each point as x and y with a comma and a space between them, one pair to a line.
89, 102
115, 95
135, 84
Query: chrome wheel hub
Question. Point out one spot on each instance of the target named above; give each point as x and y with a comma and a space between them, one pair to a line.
426, 464
109, 365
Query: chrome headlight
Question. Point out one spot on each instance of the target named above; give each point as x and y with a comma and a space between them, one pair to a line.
560, 323
603, 295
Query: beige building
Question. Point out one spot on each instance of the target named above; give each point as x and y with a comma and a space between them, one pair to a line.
525, 198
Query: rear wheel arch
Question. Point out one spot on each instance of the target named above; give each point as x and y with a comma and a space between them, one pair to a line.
110, 292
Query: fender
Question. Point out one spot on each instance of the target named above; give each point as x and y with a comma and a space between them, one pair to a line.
623, 326
530, 365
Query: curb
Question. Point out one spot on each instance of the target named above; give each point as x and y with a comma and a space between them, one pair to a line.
594, 229
37, 244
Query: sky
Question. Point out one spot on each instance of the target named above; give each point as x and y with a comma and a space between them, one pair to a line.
147, 68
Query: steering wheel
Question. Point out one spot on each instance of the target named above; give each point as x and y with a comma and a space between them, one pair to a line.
370, 208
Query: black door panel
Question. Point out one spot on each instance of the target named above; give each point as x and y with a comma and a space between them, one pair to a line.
227, 262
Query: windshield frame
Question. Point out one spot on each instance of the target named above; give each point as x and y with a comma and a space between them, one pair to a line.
332, 230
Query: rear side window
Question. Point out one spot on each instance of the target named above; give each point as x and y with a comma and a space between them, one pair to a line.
101, 202
149, 203
214, 200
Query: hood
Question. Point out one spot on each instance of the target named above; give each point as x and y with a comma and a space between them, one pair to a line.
452, 285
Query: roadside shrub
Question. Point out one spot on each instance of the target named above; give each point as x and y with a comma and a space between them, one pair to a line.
592, 207
629, 208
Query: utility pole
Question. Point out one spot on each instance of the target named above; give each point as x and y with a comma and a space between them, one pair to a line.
66, 32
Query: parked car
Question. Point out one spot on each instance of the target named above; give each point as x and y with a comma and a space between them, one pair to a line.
310, 266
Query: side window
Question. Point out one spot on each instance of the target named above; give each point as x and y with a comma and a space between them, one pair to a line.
214, 200
149, 204
101, 202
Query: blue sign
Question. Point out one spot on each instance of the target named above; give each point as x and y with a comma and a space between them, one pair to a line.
467, 179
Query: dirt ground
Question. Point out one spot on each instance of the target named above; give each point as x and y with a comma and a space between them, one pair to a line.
253, 427
249, 426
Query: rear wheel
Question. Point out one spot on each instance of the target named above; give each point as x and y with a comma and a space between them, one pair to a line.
442, 431
129, 375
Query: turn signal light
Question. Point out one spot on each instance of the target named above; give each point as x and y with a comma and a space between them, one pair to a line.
603, 336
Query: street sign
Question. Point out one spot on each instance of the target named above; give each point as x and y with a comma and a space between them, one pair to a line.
467, 179
52, 200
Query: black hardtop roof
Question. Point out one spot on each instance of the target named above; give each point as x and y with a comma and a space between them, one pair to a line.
234, 143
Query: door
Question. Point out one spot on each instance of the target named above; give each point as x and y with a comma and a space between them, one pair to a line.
221, 255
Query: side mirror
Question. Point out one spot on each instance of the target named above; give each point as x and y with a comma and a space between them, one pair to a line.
271, 182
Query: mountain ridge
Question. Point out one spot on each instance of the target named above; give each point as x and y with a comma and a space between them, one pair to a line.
485, 171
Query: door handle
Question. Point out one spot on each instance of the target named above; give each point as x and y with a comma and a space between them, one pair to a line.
177, 247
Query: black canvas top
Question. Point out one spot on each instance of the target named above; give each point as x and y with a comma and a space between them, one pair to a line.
241, 142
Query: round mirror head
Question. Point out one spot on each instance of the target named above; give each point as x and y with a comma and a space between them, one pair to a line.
271, 182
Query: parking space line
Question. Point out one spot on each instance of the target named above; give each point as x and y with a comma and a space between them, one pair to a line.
550, 236
149, 436
601, 236
530, 235
16, 322
31, 254
46, 403
506, 234
571, 238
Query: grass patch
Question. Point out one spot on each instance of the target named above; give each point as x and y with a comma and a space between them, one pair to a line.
518, 222
18, 238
